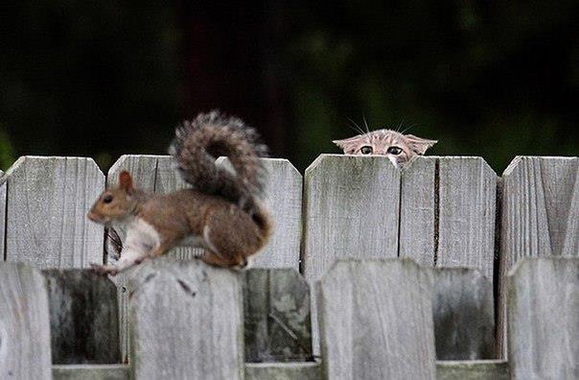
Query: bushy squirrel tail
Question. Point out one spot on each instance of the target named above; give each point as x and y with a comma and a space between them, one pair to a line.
200, 141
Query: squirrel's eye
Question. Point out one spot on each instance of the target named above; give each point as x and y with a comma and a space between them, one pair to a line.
108, 198
394, 150
366, 150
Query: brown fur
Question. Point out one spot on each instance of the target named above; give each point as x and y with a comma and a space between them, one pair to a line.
384, 142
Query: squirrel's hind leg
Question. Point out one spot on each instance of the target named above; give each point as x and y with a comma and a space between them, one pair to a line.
224, 262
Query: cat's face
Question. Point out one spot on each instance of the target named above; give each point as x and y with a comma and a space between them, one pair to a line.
399, 148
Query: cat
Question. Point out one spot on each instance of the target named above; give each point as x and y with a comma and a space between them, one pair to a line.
398, 147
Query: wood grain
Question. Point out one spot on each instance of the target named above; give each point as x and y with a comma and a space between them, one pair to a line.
24, 324
186, 321
84, 317
91, 372
418, 213
543, 319
283, 371
376, 320
539, 216
472, 370
466, 235
463, 312
277, 316
283, 196
47, 202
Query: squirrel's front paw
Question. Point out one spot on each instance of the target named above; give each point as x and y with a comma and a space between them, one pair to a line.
103, 270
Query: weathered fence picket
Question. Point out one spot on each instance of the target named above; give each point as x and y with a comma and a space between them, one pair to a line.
543, 319
449, 202
350, 210
419, 211
186, 318
24, 326
376, 321
540, 209
467, 204
463, 312
84, 318
47, 202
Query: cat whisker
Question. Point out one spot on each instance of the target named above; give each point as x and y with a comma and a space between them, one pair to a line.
357, 127
408, 128
366, 123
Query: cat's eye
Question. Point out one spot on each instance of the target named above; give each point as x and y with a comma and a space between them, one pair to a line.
366, 150
108, 198
394, 150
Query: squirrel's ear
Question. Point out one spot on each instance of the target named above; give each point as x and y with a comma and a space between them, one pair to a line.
418, 144
125, 181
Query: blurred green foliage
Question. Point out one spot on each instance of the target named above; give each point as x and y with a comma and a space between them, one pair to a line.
492, 79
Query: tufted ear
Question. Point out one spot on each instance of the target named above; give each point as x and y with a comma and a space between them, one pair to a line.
349, 145
418, 144
126, 181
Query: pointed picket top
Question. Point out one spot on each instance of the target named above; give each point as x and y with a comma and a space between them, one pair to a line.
47, 201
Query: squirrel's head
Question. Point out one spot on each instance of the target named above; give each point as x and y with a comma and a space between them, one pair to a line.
116, 203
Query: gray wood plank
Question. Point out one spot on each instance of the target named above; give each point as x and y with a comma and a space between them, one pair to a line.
182, 313
418, 211
467, 214
283, 196
48, 198
539, 215
543, 319
463, 312
351, 208
2, 213
472, 370
24, 324
283, 371
445, 370
84, 318
376, 320
277, 316
90, 372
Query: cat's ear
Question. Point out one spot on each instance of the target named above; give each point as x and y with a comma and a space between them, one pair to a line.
418, 144
348, 145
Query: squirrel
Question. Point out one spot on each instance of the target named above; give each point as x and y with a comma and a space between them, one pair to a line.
222, 212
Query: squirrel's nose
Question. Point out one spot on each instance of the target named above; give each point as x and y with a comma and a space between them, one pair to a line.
92, 216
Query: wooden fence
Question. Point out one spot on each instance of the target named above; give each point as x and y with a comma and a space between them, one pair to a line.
441, 212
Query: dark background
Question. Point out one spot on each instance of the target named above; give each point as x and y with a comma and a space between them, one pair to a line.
104, 78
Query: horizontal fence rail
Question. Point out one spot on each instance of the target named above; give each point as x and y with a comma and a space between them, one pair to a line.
439, 211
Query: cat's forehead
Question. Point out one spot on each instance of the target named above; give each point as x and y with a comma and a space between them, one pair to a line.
385, 136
